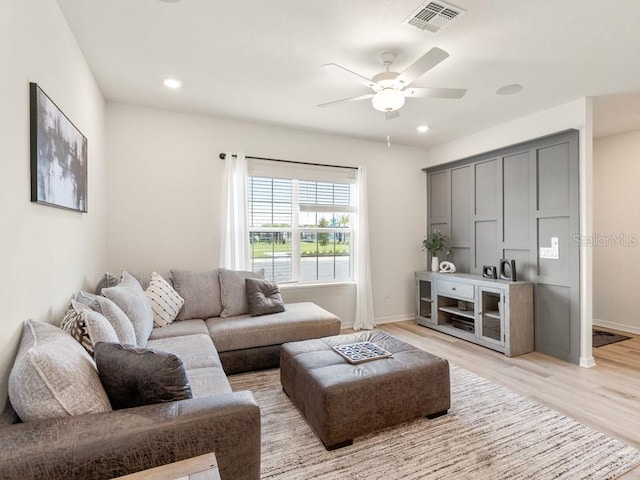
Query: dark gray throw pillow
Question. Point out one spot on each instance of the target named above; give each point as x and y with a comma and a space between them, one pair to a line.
134, 376
263, 297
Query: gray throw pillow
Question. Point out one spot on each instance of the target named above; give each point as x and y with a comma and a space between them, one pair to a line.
134, 376
130, 297
53, 376
117, 318
107, 280
263, 297
201, 293
232, 291
98, 328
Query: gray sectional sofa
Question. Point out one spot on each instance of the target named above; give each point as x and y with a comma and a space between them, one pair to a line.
114, 443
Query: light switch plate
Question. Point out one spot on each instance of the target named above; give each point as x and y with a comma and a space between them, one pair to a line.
551, 253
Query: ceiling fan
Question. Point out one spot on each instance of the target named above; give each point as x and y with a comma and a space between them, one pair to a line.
391, 88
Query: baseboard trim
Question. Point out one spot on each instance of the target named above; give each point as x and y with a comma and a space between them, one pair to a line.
616, 326
391, 319
587, 362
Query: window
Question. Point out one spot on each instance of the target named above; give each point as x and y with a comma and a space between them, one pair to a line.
300, 230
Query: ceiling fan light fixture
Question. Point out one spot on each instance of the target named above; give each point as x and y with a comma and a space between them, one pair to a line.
388, 100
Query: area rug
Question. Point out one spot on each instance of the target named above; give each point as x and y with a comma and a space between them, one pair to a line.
489, 433
602, 338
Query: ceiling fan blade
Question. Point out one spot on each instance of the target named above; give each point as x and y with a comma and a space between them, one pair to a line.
434, 92
392, 115
421, 66
345, 72
345, 100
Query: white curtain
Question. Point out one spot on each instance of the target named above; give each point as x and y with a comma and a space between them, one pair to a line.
234, 247
364, 318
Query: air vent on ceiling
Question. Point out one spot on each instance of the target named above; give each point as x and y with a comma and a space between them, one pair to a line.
433, 16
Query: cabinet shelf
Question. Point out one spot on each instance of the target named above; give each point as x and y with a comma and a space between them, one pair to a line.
458, 312
492, 314
425, 299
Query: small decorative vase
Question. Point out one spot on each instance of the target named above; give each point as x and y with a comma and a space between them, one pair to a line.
435, 264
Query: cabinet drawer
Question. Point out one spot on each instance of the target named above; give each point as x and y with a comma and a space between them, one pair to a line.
455, 289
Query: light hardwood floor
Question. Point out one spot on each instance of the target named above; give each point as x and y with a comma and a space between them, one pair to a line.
605, 397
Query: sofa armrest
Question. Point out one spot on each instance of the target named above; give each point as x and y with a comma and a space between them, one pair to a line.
107, 445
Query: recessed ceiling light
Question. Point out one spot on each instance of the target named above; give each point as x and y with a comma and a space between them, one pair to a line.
172, 83
423, 128
510, 89
170, 1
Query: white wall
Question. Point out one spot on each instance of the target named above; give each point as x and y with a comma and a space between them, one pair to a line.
616, 251
164, 182
47, 254
573, 115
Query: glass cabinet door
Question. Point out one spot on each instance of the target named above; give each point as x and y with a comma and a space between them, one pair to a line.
491, 315
424, 303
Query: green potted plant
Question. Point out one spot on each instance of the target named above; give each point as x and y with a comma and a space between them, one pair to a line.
435, 242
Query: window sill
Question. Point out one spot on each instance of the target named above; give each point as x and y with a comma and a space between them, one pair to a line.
307, 286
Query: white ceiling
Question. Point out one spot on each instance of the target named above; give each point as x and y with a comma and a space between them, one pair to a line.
261, 60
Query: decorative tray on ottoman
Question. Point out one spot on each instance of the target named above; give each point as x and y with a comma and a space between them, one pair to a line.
361, 352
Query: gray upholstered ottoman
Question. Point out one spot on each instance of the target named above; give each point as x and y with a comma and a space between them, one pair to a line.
341, 400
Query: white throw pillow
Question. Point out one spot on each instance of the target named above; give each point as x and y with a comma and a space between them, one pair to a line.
165, 301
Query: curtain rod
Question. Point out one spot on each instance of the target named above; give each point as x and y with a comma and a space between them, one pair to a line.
224, 155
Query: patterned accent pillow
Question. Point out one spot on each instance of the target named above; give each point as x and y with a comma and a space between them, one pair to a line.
53, 376
73, 323
232, 291
134, 376
117, 318
263, 297
201, 293
130, 297
165, 301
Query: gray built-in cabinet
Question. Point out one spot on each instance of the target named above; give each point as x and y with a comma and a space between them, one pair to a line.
493, 313
510, 203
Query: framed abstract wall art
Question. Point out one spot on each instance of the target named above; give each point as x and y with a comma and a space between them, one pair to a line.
58, 156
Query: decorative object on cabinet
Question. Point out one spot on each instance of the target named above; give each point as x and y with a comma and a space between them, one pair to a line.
489, 271
493, 313
508, 270
447, 267
435, 242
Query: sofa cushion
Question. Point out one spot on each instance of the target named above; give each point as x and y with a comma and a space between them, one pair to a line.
180, 328
300, 321
73, 323
130, 297
196, 351
144, 279
53, 376
263, 297
117, 318
134, 376
232, 291
201, 293
164, 300
208, 381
